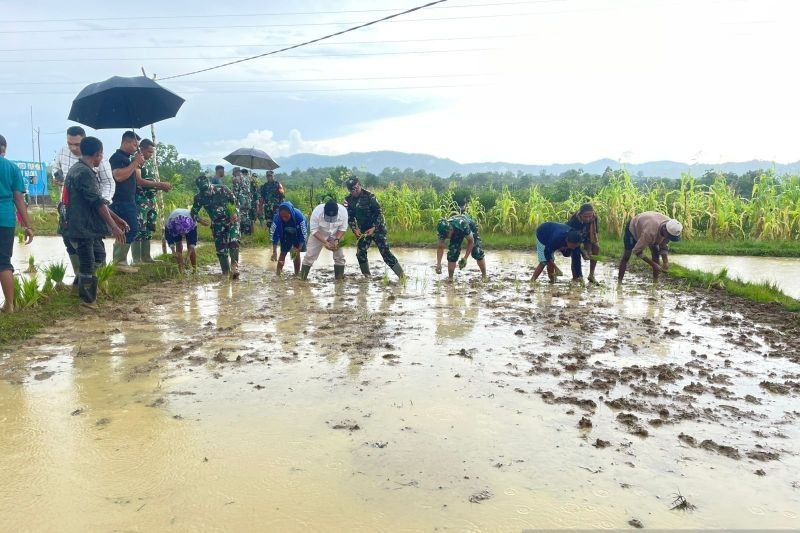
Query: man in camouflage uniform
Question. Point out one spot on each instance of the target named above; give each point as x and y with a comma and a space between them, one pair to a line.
220, 204
271, 196
241, 190
253, 202
457, 228
366, 220
146, 187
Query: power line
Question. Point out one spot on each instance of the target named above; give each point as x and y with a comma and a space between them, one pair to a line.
296, 25
318, 39
285, 80
338, 89
268, 45
246, 58
286, 13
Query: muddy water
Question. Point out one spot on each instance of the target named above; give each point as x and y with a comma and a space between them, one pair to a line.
783, 271
48, 250
274, 405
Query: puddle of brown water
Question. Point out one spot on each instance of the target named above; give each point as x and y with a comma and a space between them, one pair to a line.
172, 433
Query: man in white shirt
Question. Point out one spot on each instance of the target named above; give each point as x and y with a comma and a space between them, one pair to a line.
70, 154
65, 158
328, 226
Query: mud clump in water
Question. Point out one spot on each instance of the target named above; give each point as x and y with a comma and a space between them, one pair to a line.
636, 523
688, 439
481, 496
631, 421
600, 444
584, 423
348, 425
727, 451
760, 455
775, 388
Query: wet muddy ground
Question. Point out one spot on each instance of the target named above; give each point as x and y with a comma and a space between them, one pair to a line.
499, 406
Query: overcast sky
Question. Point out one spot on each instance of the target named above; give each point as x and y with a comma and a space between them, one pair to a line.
536, 81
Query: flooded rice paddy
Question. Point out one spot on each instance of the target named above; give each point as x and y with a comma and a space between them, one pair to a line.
782, 271
269, 404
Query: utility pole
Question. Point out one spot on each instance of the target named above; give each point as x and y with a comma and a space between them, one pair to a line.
33, 147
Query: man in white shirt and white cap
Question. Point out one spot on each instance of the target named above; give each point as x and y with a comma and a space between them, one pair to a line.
649, 230
328, 226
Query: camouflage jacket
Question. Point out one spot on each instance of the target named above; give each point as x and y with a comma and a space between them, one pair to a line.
365, 212
272, 194
241, 191
219, 202
463, 226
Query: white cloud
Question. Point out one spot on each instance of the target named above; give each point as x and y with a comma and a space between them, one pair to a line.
263, 140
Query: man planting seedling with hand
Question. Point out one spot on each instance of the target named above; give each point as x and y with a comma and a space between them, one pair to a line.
653, 230
552, 237
367, 222
458, 228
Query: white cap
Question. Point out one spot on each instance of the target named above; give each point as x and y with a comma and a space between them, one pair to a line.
674, 227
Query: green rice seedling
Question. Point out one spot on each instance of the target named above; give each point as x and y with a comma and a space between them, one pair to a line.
104, 274
48, 287
56, 272
31, 265
29, 293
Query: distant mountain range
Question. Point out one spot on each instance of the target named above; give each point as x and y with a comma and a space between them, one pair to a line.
375, 162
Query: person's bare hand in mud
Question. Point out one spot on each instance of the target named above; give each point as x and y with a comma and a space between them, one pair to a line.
462, 263
586, 256
656, 270
438, 268
294, 252
118, 234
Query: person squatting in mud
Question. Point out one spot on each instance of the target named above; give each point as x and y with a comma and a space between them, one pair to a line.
649, 230
329, 223
586, 223
290, 230
220, 204
147, 213
552, 237
180, 225
457, 228
367, 222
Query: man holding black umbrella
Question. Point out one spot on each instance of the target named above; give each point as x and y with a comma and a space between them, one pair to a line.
124, 165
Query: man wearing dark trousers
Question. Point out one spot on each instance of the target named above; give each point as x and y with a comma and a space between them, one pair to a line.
124, 164
88, 218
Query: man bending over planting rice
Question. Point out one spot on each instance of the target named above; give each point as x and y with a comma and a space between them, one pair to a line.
649, 230
458, 228
552, 237
585, 223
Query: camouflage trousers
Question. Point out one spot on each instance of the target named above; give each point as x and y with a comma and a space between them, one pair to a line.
454, 250
147, 216
383, 247
226, 237
245, 221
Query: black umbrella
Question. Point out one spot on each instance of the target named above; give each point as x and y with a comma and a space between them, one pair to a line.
124, 103
252, 159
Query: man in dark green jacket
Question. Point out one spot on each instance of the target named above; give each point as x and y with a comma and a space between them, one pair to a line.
88, 218
367, 222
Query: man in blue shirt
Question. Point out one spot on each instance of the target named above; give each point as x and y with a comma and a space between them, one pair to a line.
552, 237
12, 189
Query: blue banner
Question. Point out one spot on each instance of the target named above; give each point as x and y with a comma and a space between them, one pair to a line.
35, 175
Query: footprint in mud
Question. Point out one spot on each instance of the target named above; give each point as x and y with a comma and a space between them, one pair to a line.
43, 376
348, 425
